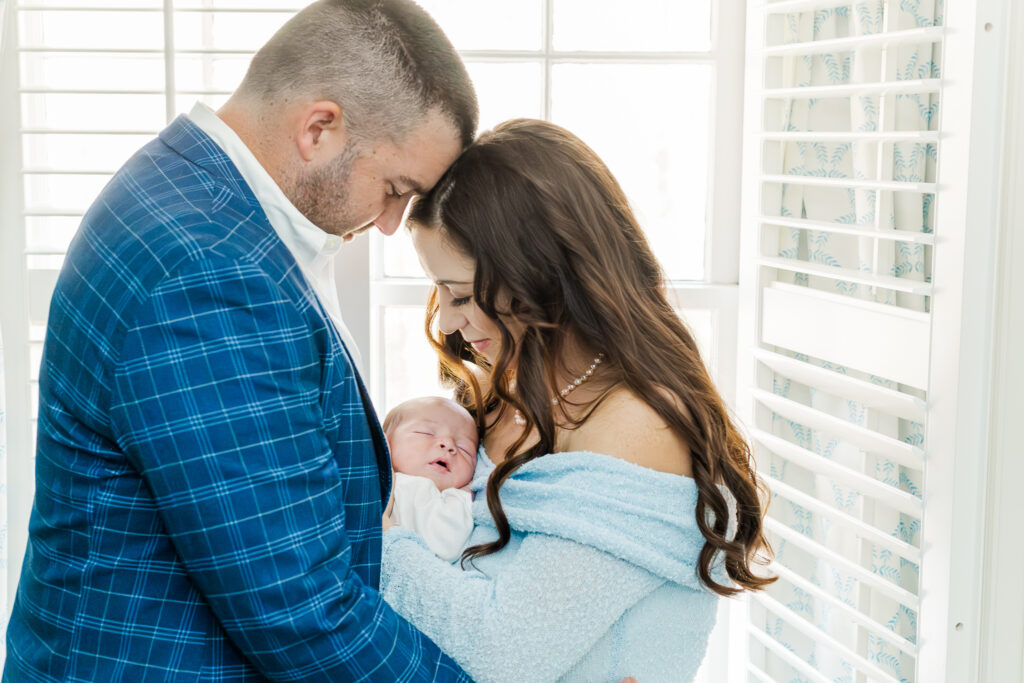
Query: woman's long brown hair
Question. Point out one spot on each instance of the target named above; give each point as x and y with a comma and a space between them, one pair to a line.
559, 251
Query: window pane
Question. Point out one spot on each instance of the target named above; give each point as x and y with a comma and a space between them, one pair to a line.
638, 25
508, 90
97, 71
225, 30
80, 152
653, 134
399, 257
183, 103
701, 323
71, 29
410, 364
489, 24
93, 112
50, 232
210, 72
62, 191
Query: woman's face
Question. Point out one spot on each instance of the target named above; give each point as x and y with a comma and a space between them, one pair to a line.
452, 272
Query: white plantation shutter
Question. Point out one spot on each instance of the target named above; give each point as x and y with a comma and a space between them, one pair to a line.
94, 82
868, 200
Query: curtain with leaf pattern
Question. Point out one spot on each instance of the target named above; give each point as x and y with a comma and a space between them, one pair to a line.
900, 161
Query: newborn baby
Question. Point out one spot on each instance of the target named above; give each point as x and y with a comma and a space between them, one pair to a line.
433, 445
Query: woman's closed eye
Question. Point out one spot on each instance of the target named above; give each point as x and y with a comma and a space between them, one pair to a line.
460, 300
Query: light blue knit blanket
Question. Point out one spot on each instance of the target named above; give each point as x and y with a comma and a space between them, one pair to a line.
598, 582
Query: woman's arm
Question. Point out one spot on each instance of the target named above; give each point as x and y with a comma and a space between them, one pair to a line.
532, 622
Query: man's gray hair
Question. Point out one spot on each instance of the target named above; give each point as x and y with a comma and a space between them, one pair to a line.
386, 63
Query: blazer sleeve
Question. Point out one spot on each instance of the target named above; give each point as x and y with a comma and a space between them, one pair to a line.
217, 403
532, 622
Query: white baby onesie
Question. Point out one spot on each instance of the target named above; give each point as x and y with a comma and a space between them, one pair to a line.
443, 518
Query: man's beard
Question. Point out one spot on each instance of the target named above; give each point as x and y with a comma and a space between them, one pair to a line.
322, 194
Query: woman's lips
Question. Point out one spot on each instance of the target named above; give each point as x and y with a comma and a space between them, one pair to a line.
480, 344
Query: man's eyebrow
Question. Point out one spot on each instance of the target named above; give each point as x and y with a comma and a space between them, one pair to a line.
411, 184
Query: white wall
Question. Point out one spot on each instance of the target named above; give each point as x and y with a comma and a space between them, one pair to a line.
1002, 628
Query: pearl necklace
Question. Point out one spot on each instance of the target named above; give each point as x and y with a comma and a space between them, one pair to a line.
518, 418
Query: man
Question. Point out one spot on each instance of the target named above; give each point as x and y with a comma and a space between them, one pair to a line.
210, 472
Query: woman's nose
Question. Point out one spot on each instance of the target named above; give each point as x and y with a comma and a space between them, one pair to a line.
448, 320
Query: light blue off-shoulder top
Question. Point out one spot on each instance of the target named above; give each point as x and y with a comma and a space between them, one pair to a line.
598, 582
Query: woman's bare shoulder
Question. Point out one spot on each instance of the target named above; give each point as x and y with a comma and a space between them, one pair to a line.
627, 427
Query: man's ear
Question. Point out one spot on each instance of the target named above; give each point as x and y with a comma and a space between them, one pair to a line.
320, 129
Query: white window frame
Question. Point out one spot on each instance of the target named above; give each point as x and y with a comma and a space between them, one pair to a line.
14, 309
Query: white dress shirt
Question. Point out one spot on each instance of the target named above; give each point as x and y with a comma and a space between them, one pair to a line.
313, 249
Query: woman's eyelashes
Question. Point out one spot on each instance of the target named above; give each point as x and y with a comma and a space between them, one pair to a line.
460, 300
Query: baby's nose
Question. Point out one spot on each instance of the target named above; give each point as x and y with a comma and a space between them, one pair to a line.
447, 446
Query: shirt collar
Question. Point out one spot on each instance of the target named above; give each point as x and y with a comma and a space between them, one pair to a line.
309, 244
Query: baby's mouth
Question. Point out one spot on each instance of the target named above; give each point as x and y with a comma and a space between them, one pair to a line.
442, 463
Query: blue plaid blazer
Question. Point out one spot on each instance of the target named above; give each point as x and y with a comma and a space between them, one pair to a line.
210, 472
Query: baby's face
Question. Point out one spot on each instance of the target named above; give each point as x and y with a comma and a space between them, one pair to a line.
437, 441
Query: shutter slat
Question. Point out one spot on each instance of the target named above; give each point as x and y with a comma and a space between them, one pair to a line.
924, 136
851, 612
816, 47
860, 277
867, 439
850, 229
787, 656
822, 638
850, 183
869, 486
908, 87
866, 578
885, 399
842, 519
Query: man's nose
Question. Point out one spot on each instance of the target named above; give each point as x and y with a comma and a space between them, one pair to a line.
389, 219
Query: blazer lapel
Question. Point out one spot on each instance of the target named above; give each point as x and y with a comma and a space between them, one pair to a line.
189, 141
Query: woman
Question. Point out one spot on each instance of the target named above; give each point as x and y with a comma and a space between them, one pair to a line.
604, 533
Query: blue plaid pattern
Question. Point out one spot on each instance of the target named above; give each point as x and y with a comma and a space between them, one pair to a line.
210, 472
